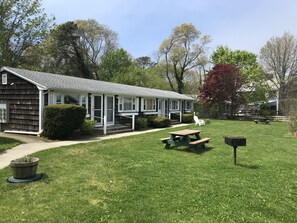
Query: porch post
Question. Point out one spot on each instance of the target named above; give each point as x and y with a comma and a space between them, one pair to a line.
133, 122
104, 124
180, 117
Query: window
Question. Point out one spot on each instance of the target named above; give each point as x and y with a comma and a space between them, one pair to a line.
84, 101
127, 104
4, 79
71, 99
174, 105
59, 99
149, 104
188, 105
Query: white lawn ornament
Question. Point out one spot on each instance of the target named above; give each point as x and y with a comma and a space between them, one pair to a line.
198, 121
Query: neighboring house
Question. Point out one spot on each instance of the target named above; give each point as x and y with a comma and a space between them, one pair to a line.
24, 93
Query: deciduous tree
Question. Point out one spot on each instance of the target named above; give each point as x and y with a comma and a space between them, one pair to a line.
279, 60
182, 51
256, 87
22, 24
222, 85
114, 64
96, 40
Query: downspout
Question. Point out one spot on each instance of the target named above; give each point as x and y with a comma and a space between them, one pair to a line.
41, 106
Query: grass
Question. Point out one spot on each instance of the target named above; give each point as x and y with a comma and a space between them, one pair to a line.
134, 179
7, 143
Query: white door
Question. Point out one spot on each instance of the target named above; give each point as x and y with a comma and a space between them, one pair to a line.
161, 108
109, 109
96, 113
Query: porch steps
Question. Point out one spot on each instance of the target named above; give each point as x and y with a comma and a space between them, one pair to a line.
118, 129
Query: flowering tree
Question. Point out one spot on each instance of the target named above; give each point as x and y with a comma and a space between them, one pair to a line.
221, 85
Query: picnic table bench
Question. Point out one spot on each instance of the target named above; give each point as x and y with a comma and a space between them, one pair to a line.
200, 142
262, 120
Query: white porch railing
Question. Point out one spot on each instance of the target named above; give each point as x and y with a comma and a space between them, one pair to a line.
132, 117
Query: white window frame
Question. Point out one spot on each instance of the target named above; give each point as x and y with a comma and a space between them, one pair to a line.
121, 107
4, 79
188, 105
144, 104
57, 94
174, 108
81, 100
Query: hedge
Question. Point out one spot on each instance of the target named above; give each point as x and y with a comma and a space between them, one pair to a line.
187, 118
141, 123
60, 121
158, 122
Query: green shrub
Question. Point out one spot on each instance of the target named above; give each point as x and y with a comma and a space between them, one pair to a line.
292, 124
60, 121
87, 127
187, 118
141, 123
265, 110
158, 122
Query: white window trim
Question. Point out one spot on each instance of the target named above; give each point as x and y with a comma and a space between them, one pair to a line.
190, 107
144, 102
80, 98
55, 97
121, 102
174, 109
4, 79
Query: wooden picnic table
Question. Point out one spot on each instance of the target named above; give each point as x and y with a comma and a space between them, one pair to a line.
186, 137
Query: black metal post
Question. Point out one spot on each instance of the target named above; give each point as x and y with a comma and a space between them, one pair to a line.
234, 147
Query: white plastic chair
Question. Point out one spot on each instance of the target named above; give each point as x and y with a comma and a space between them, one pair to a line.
198, 121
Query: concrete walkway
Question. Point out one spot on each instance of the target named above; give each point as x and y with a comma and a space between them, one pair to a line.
32, 144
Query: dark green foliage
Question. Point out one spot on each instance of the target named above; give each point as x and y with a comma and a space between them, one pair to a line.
265, 110
60, 121
114, 64
158, 122
187, 118
22, 24
87, 127
141, 123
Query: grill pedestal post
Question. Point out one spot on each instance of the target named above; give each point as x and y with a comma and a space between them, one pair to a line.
235, 141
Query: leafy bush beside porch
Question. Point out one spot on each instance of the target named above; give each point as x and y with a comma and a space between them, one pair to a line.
60, 121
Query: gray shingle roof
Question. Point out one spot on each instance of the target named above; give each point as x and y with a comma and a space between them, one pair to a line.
48, 81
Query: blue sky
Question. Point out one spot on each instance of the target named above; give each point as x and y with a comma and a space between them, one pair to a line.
143, 24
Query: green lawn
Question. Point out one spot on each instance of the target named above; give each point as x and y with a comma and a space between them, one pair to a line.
7, 143
134, 179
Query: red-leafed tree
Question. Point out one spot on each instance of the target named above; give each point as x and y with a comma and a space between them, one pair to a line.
222, 85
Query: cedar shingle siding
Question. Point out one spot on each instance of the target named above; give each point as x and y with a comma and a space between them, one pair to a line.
23, 101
